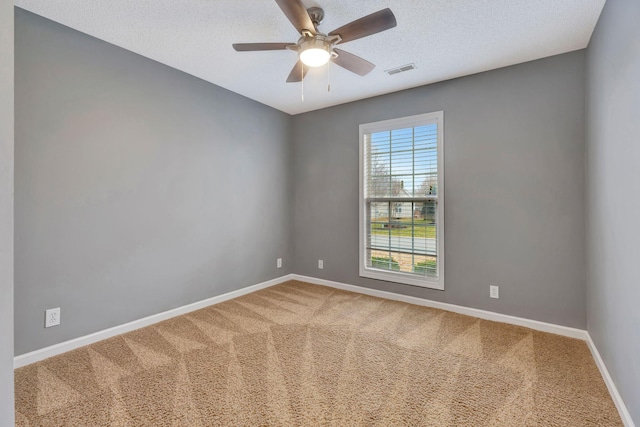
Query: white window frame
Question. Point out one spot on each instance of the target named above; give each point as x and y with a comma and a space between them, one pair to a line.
397, 276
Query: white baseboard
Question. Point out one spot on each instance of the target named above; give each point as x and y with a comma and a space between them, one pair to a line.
43, 353
482, 314
613, 390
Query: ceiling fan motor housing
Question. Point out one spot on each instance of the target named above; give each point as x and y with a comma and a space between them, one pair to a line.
316, 14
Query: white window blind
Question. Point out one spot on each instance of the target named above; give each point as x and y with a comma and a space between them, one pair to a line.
401, 204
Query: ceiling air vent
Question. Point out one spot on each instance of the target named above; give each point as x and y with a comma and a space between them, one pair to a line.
400, 69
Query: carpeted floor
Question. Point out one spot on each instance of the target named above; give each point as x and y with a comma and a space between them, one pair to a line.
301, 354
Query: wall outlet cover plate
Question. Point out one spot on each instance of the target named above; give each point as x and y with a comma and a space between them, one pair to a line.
494, 291
52, 317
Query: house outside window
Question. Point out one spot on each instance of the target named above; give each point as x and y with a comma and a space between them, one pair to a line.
401, 200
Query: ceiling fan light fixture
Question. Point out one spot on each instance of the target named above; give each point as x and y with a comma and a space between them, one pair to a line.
315, 57
315, 53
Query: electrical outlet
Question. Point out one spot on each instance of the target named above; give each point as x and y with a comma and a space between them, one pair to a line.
494, 291
279, 262
52, 317
320, 264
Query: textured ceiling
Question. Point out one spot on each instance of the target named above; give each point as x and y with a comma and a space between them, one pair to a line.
443, 38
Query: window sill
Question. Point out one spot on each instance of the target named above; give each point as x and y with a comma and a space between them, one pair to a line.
402, 278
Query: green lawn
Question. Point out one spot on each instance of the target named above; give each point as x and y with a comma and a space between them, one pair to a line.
422, 229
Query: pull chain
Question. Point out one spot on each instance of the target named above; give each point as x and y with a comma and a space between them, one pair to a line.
329, 76
302, 81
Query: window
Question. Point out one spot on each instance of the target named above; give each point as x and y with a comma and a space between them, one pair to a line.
401, 200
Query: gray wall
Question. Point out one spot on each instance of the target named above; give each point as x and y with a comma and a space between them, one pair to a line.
6, 213
613, 186
514, 177
138, 188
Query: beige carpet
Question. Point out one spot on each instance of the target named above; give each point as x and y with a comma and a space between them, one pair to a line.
301, 354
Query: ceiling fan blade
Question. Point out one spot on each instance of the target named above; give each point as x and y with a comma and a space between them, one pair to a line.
353, 63
297, 73
297, 14
371, 24
246, 47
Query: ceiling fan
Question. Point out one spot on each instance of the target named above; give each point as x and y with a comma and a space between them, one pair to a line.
315, 48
